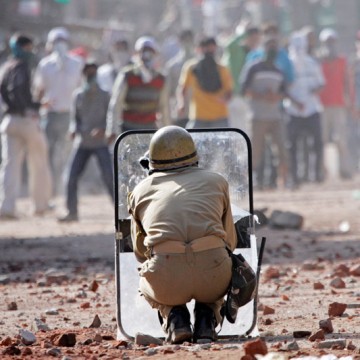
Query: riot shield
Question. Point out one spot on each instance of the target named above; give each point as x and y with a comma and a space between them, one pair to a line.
226, 151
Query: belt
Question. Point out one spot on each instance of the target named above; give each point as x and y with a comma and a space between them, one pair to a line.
180, 247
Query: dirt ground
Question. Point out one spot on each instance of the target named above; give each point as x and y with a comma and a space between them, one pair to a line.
63, 275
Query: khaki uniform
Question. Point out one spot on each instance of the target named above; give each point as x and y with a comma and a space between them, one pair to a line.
181, 224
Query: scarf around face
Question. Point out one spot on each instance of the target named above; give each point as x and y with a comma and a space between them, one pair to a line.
207, 74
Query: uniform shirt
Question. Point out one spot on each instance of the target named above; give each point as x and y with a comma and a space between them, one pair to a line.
89, 112
260, 78
181, 205
58, 78
205, 105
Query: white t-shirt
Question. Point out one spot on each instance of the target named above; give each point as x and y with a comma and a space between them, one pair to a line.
58, 78
308, 77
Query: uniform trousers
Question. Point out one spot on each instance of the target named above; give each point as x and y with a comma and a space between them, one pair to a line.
167, 280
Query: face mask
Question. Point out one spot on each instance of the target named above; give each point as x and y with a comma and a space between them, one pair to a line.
148, 58
61, 48
90, 81
271, 55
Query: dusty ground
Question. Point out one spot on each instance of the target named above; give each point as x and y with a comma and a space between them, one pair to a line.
50, 271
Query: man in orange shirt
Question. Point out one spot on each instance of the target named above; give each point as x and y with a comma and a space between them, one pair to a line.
210, 87
335, 97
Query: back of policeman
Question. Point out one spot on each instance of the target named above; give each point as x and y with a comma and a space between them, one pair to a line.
181, 226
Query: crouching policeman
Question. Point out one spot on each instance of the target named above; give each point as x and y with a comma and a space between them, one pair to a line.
181, 226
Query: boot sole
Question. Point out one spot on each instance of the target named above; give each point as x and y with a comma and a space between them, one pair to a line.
181, 335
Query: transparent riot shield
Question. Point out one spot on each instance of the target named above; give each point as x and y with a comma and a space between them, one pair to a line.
226, 151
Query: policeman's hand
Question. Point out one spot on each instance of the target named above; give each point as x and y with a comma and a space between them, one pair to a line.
97, 133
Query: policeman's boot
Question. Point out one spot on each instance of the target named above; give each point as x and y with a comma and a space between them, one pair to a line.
205, 323
179, 325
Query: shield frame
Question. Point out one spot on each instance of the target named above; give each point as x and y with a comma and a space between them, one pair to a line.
119, 236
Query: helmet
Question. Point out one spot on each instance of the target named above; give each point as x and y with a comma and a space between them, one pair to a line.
172, 147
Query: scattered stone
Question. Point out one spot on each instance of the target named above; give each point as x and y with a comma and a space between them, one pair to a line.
94, 286
293, 346
26, 351
96, 323
52, 312
319, 335
336, 309
318, 286
85, 305
12, 306
41, 326
27, 337
268, 310
267, 322
66, 358
310, 266
150, 352
53, 276
355, 270
98, 338
145, 340
341, 271
351, 346
11, 350
41, 283
53, 352
332, 344
337, 283
271, 273
301, 334
326, 325
6, 342
285, 220
46, 344
4, 279
254, 347
87, 341
108, 337
67, 340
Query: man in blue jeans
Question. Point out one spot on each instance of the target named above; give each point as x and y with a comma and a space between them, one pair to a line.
87, 128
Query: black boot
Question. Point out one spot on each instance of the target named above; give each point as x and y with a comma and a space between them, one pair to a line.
179, 326
205, 323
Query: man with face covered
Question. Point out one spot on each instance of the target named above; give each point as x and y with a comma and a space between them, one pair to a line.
210, 86
56, 78
119, 56
140, 98
21, 134
265, 85
87, 129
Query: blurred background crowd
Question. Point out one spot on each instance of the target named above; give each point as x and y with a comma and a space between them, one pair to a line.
287, 72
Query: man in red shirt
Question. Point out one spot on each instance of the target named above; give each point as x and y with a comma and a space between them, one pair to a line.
335, 98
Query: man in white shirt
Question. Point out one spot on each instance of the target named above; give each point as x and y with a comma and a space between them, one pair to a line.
56, 78
304, 123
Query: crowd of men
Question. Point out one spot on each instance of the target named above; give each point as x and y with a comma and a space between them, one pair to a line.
293, 99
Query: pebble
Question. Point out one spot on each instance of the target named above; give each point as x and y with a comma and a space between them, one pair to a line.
27, 337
